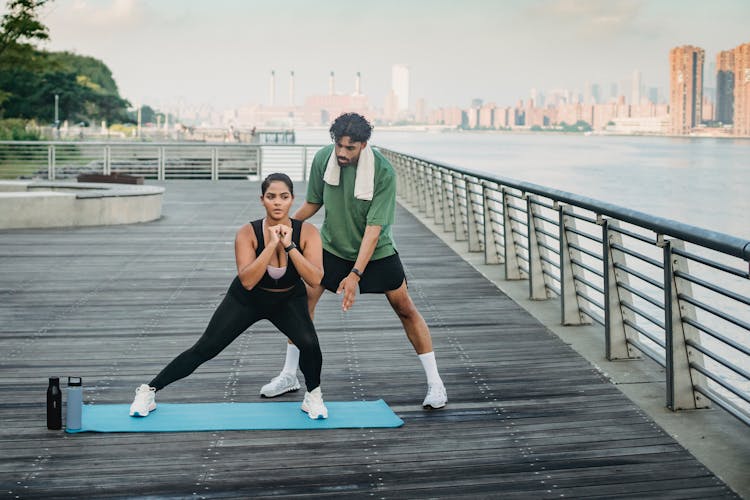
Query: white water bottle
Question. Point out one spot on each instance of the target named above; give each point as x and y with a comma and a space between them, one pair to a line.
74, 404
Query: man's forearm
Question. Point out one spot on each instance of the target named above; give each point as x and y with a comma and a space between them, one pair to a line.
306, 211
367, 247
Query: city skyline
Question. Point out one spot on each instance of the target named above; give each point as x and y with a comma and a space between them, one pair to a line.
221, 53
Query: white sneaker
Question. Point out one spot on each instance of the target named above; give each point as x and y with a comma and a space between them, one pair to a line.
280, 384
144, 402
436, 397
313, 405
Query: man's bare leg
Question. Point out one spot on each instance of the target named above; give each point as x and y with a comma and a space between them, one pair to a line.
418, 334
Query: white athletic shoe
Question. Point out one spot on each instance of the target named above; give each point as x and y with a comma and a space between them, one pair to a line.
436, 397
144, 402
313, 405
280, 384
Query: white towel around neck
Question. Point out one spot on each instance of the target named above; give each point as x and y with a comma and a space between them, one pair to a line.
364, 182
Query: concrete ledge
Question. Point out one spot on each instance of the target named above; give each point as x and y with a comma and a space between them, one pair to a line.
35, 204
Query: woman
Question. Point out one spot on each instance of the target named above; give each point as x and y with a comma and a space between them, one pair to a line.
274, 255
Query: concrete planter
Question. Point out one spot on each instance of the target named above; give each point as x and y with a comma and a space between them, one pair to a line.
111, 178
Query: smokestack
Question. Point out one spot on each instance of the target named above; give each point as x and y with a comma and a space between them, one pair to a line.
291, 88
331, 86
357, 84
272, 89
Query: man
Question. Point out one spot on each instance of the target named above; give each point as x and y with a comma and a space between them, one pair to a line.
357, 185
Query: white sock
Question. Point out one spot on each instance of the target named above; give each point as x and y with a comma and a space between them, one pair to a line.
430, 368
292, 359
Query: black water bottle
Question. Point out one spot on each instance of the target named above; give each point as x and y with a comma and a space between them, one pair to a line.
54, 404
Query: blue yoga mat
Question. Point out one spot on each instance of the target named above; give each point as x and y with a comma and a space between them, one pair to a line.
172, 417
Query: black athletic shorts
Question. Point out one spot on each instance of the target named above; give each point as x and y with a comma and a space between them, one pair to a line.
379, 276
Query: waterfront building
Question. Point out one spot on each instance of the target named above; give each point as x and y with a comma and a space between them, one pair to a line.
725, 86
573, 113
536, 117
635, 89
643, 125
686, 87
472, 115
487, 116
450, 117
400, 85
503, 117
708, 110
742, 90
420, 110
390, 110
603, 115
322, 109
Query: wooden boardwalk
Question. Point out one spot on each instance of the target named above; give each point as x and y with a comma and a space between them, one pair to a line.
527, 417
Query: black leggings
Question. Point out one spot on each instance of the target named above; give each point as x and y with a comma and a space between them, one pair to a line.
241, 308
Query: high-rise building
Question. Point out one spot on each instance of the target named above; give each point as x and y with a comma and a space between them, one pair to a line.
725, 86
635, 88
686, 87
742, 90
400, 85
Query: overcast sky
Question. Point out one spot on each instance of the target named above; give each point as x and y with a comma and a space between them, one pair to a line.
221, 52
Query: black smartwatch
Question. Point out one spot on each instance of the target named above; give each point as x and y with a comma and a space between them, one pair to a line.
357, 272
291, 247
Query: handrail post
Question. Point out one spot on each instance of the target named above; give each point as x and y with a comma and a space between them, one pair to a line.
448, 215
107, 168
214, 165
570, 307
304, 163
421, 187
161, 168
413, 183
615, 336
512, 264
437, 195
475, 235
491, 255
408, 180
429, 192
459, 228
681, 394
402, 182
537, 286
51, 161
260, 163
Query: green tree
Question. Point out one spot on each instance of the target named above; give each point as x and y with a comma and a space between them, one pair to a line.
19, 29
148, 115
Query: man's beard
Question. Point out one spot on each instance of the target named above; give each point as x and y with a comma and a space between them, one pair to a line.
350, 163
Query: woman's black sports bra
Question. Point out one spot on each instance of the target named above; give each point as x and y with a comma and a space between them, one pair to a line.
291, 277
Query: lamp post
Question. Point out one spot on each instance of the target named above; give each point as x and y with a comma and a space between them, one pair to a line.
57, 119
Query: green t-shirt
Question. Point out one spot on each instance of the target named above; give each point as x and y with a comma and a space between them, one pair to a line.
345, 216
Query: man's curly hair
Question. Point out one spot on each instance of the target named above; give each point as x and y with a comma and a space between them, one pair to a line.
352, 125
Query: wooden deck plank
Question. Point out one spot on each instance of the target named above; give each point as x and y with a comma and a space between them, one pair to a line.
528, 417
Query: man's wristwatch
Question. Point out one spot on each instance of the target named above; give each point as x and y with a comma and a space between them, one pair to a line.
357, 272
291, 247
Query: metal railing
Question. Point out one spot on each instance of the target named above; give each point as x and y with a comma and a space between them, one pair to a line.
672, 292
54, 160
